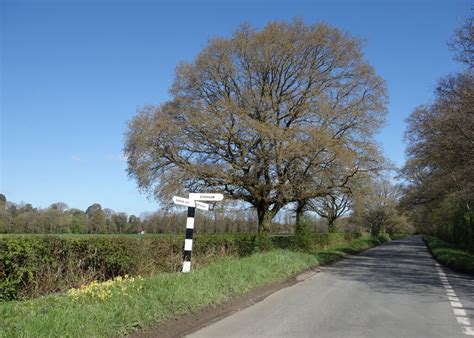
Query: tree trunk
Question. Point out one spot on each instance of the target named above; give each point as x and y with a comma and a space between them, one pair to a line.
299, 211
471, 230
265, 217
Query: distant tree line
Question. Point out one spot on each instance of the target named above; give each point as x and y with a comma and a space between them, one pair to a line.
439, 172
355, 212
59, 218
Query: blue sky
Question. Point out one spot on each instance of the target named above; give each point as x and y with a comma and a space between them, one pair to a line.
74, 72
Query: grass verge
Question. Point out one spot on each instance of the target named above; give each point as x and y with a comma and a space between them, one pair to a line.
128, 305
450, 255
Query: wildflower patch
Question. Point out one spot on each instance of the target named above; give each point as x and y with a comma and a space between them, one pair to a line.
100, 291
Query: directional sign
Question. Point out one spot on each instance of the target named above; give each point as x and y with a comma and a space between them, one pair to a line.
206, 197
193, 201
202, 206
183, 201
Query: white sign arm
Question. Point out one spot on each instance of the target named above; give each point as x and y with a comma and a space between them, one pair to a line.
206, 197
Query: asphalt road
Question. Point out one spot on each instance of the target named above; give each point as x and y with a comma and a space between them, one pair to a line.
394, 290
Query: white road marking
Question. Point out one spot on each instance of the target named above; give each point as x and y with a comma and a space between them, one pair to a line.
464, 321
459, 312
468, 331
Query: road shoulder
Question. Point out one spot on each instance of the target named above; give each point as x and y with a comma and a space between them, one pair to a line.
183, 325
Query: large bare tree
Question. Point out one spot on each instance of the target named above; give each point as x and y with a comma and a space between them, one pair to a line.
266, 117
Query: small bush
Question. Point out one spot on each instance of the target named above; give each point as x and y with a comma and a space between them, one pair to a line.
302, 237
382, 238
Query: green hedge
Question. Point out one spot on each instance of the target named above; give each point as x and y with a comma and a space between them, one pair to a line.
33, 265
450, 254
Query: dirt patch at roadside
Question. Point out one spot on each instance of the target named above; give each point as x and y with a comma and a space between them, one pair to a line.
183, 325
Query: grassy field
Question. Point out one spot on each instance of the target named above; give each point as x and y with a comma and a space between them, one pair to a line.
130, 304
450, 255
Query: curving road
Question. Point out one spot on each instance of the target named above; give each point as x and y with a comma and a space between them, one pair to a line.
393, 290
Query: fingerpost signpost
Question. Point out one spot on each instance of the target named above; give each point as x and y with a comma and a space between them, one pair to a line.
192, 203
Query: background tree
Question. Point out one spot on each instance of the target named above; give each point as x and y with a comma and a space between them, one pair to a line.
95, 218
12, 209
52, 219
331, 207
3, 203
120, 221
109, 220
376, 207
134, 224
77, 221
59, 206
263, 116
440, 168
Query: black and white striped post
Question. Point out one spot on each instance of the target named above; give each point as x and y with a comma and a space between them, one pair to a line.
192, 203
188, 241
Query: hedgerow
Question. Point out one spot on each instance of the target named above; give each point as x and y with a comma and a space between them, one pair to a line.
33, 265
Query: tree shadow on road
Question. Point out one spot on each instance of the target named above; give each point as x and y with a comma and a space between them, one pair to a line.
399, 267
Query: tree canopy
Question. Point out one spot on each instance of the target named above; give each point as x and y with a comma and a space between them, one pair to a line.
268, 117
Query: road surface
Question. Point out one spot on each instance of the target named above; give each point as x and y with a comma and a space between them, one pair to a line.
393, 290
